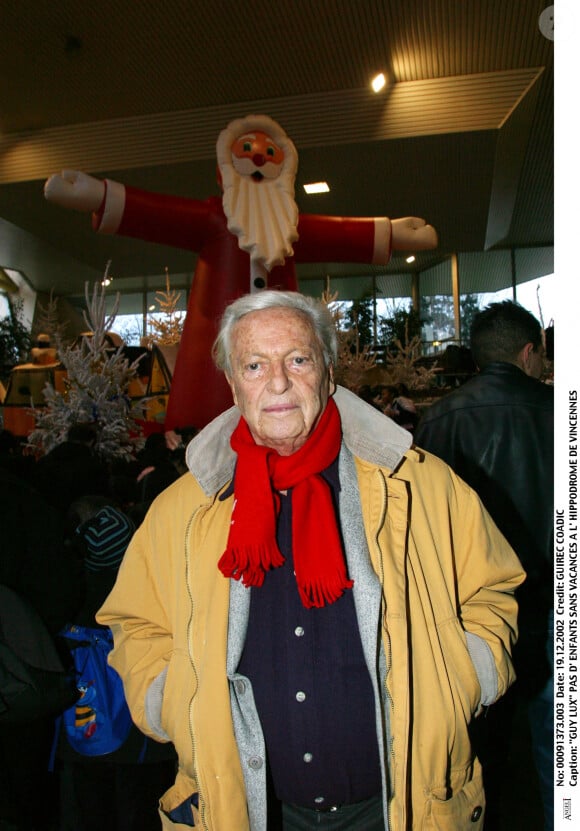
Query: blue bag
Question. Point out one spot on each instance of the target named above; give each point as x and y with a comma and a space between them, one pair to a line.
100, 721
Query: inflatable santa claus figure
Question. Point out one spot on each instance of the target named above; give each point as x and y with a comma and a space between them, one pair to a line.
247, 240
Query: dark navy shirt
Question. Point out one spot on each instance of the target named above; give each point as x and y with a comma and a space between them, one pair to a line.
311, 686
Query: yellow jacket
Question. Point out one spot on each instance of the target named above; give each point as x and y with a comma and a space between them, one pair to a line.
433, 577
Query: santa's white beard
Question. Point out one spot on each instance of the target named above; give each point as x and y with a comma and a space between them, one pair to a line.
263, 215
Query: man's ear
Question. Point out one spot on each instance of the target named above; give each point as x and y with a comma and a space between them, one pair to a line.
524, 356
232, 387
332, 383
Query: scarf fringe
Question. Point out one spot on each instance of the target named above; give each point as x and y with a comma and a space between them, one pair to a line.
250, 563
315, 593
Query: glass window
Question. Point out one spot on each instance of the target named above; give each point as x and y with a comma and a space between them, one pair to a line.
438, 323
537, 296
132, 325
130, 328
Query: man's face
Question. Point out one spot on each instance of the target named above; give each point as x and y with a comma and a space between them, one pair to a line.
257, 155
278, 377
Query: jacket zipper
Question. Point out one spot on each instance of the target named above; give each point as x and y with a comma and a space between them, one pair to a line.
201, 800
388, 660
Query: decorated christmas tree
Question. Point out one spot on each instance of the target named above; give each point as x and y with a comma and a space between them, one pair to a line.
96, 390
166, 331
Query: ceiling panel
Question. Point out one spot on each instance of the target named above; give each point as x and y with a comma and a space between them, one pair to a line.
463, 134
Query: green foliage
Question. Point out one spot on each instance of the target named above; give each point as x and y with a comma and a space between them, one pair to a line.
439, 312
359, 318
396, 356
400, 325
401, 328
469, 305
358, 359
15, 339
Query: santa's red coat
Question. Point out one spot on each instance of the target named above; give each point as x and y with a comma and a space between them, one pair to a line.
198, 391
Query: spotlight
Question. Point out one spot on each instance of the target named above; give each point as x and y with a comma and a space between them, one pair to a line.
378, 82
317, 187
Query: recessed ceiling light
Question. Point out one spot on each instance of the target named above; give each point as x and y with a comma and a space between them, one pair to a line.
410, 259
378, 82
317, 187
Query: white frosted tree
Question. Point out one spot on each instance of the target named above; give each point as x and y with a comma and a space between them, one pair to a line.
96, 390
48, 323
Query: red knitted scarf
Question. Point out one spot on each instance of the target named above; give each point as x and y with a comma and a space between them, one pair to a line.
251, 550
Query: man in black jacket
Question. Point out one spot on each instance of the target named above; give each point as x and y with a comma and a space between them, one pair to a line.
497, 432
35, 564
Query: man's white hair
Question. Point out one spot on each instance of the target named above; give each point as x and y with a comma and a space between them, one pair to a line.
312, 309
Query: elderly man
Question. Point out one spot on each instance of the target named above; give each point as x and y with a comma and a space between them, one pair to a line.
315, 612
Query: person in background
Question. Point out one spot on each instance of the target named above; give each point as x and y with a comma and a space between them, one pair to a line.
497, 433
314, 614
394, 400
369, 394
402, 408
157, 470
71, 469
117, 790
12, 457
34, 563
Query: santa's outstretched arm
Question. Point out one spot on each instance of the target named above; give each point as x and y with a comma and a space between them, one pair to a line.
412, 234
119, 209
75, 190
339, 239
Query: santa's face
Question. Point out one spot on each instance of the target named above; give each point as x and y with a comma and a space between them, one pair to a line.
257, 166
257, 156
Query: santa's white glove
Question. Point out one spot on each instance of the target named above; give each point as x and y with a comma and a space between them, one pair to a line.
412, 234
76, 190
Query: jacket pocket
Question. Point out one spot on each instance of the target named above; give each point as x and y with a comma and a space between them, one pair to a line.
465, 809
180, 687
462, 673
168, 825
177, 812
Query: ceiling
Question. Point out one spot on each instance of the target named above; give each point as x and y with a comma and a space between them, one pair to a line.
139, 91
